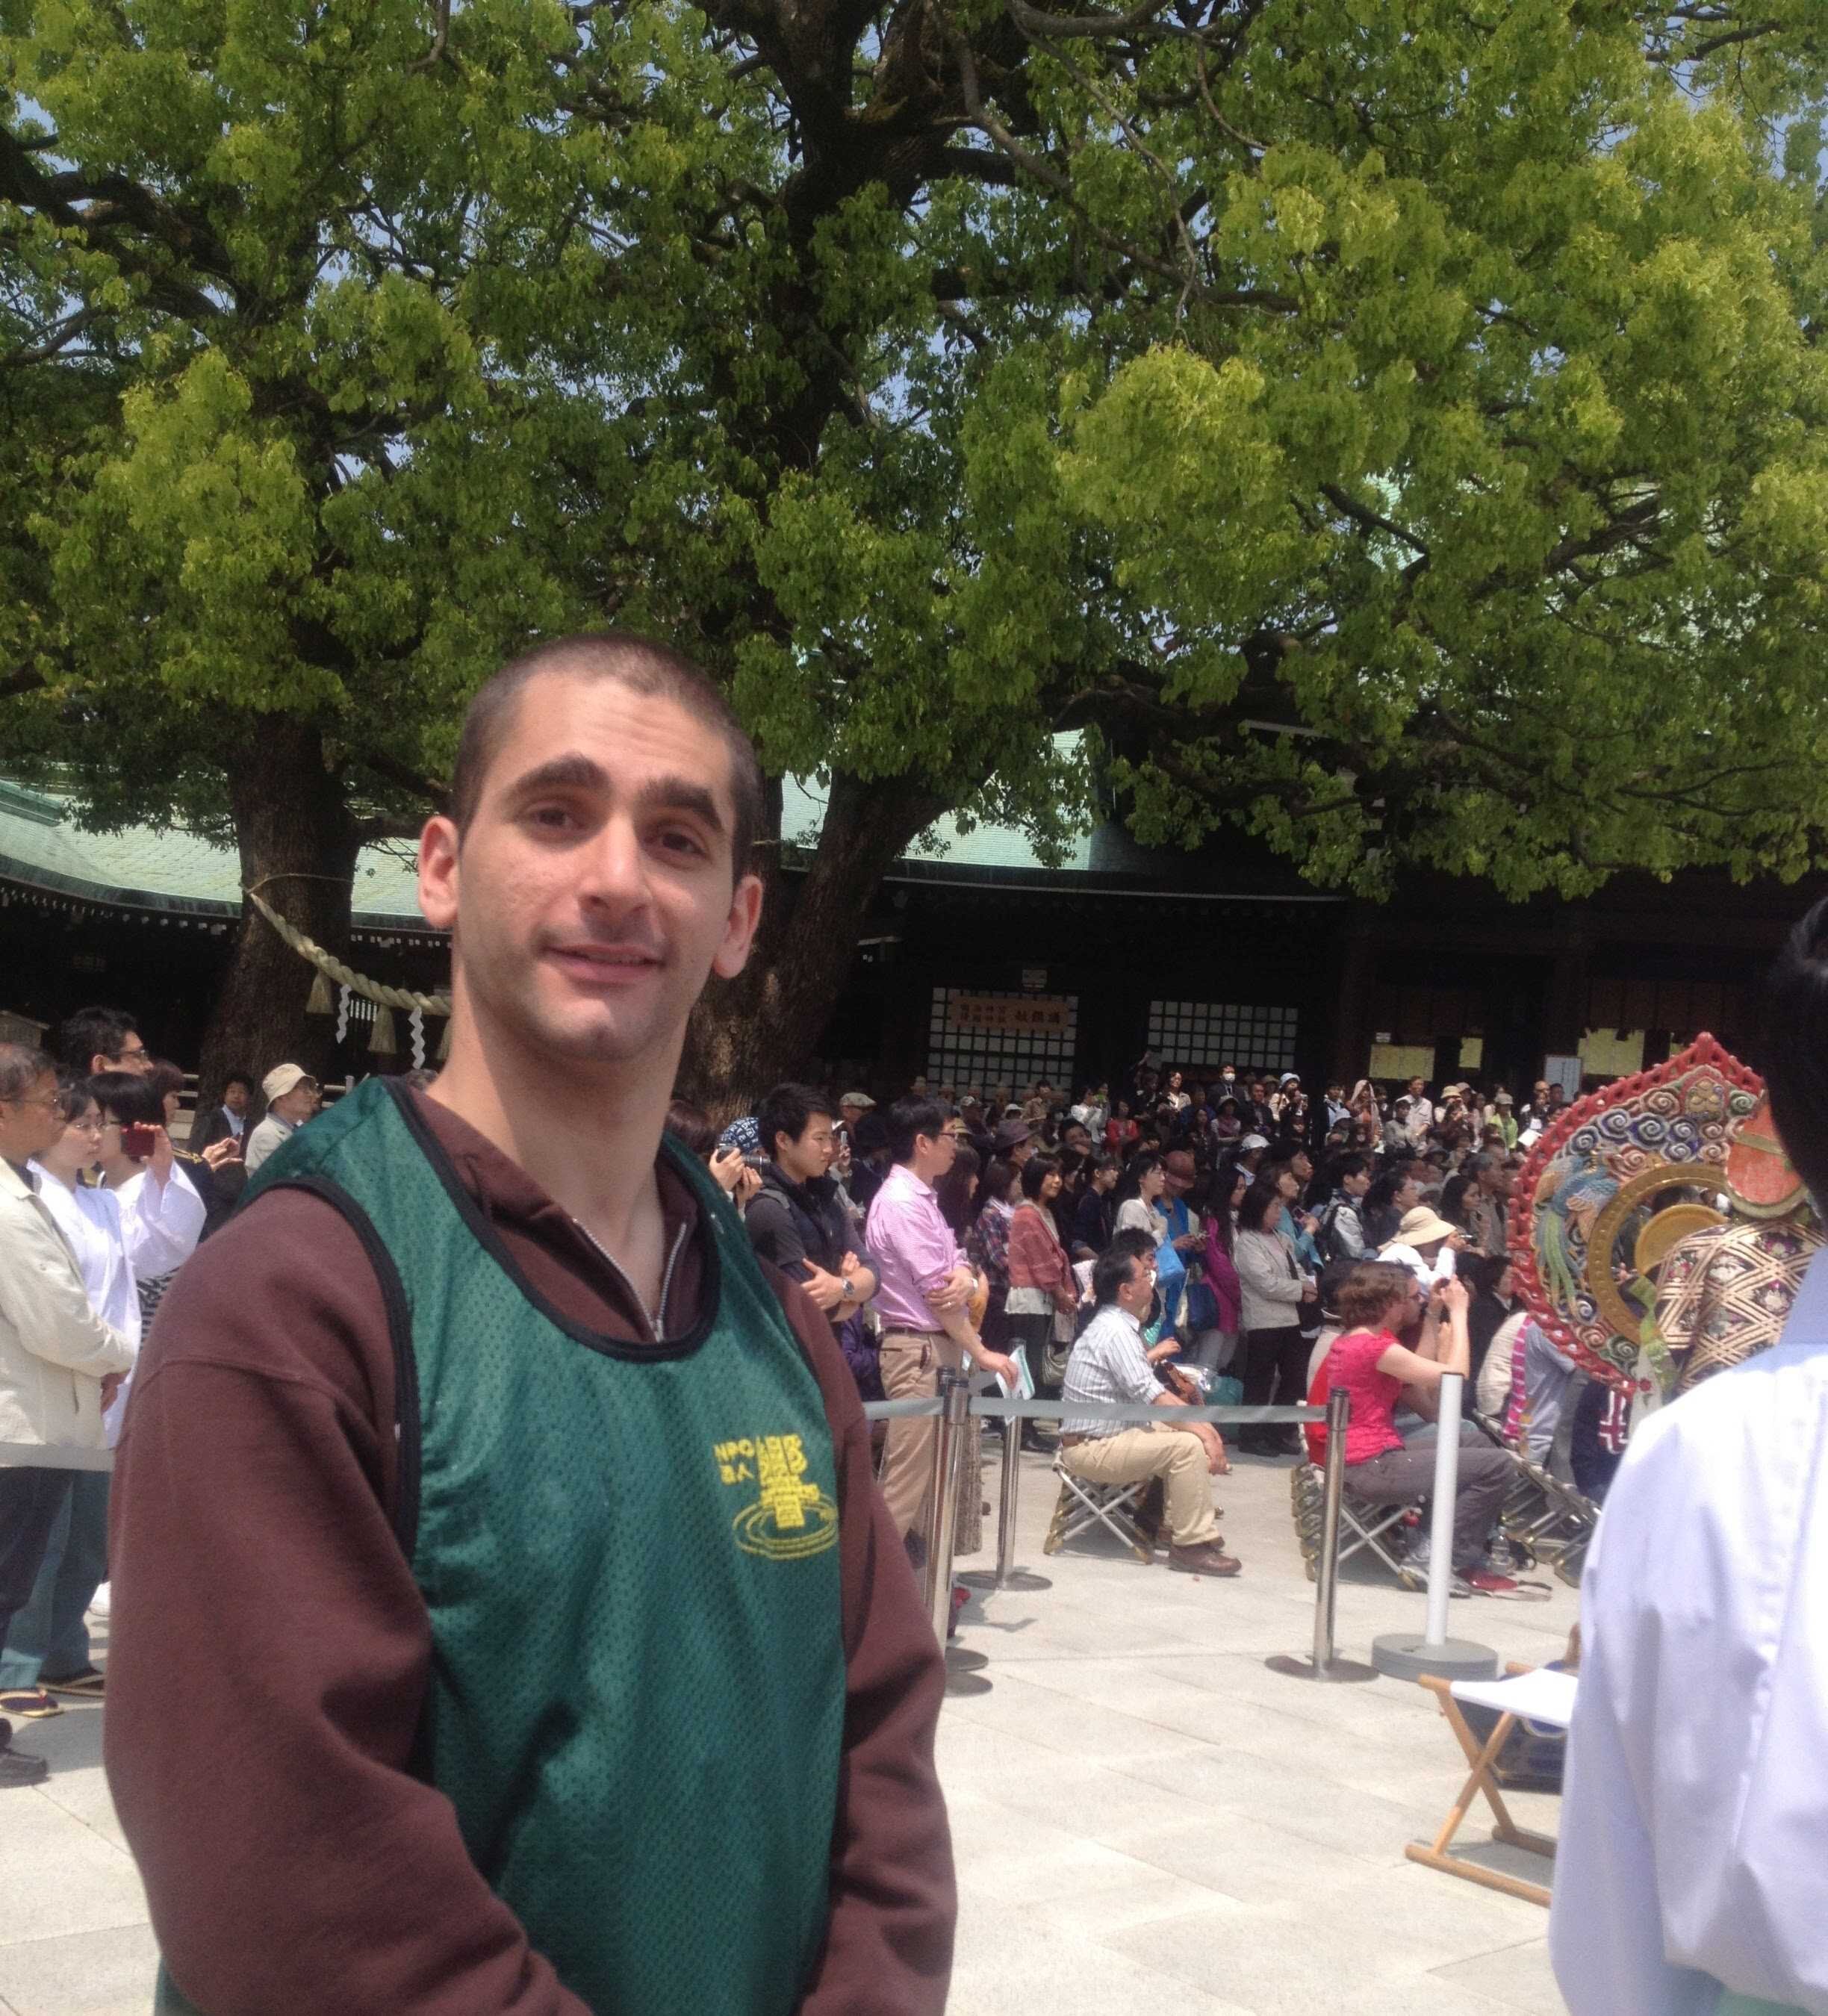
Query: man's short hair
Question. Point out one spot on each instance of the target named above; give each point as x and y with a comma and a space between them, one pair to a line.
1110, 1271
1134, 1241
645, 667
244, 1078
789, 1110
21, 1069
911, 1116
1350, 1165
94, 1032
1794, 1046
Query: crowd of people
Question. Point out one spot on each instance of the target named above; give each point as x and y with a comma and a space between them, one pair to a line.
1188, 1239
1210, 1239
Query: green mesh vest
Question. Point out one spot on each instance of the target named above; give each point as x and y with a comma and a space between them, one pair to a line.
630, 1559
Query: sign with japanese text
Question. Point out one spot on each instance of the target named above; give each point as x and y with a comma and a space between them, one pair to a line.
1034, 1014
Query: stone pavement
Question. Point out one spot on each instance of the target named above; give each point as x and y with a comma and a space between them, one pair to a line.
1148, 1822
1146, 1819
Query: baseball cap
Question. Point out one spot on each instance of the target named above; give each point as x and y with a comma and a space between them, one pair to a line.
1178, 1166
283, 1078
861, 1100
1254, 1141
1505, 1098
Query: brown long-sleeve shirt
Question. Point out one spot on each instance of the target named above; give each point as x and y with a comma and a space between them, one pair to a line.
269, 1648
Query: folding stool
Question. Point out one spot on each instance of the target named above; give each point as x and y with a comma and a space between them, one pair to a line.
1083, 1503
1543, 1514
1536, 1695
1361, 1525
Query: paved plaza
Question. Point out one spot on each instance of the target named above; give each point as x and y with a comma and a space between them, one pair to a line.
1147, 1821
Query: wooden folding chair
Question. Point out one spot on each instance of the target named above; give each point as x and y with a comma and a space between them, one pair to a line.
1528, 1694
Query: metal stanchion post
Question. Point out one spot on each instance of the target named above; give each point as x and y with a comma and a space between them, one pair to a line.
1401, 1655
1006, 1575
961, 1675
1323, 1666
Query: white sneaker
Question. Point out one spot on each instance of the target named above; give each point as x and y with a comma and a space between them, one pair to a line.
99, 1602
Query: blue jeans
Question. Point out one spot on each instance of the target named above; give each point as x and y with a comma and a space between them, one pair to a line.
49, 1635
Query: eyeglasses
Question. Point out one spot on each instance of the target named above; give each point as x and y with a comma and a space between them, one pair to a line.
47, 1104
93, 1124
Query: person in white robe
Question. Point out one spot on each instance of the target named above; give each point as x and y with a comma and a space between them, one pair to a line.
121, 1236
1691, 1878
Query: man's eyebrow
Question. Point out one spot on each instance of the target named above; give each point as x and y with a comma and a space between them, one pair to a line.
680, 795
573, 771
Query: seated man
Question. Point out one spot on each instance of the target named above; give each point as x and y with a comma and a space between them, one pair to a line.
1110, 1366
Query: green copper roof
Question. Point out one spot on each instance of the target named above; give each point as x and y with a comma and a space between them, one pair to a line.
165, 868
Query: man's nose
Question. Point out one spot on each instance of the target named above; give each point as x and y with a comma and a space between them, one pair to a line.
615, 869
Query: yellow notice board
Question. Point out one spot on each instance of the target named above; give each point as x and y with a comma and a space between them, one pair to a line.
1402, 1061
1612, 1052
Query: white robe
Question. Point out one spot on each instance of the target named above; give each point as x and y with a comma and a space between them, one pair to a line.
161, 1226
90, 1219
1694, 1837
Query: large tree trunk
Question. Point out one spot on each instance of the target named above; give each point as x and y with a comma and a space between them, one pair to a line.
752, 1032
298, 847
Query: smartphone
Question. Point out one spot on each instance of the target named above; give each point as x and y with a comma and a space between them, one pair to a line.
138, 1140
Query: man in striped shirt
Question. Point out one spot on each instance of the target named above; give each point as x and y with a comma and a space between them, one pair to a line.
1110, 1366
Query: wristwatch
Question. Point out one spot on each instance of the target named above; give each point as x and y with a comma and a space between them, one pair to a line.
850, 1292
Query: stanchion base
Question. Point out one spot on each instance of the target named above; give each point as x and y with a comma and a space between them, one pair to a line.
1293, 1668
1023, 1579
1406, 1655
961, 1674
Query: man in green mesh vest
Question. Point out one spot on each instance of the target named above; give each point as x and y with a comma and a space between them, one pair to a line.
506, 1618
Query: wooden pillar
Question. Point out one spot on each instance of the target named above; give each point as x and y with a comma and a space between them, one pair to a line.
1564, 1016
1352, 1032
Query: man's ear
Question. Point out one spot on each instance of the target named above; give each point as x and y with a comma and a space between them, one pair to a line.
440, 845
739, 928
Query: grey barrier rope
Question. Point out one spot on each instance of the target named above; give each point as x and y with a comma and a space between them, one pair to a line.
990, 1409
943, 1497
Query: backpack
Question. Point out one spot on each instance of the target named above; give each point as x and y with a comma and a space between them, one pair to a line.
1326, 1238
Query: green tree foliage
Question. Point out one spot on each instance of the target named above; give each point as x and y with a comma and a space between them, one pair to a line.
1483, 443
1396, 429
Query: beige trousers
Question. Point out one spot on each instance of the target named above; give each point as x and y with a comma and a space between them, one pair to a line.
911, 1366
1171, 1454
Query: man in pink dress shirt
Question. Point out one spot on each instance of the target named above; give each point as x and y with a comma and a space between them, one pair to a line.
923, 1289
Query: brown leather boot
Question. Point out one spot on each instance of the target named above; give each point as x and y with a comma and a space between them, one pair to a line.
1208, 1558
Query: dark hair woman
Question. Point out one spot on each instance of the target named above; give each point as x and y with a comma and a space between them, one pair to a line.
1276, 1295
1043, 1295
1216, 1344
